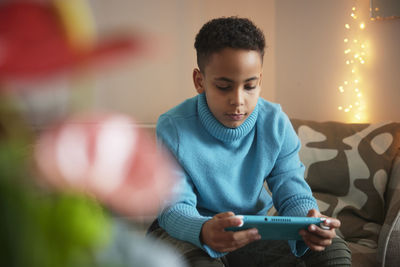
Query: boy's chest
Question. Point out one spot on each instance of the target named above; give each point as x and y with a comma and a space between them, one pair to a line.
219, 162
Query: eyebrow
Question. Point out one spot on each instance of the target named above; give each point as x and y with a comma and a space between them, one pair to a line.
232, 81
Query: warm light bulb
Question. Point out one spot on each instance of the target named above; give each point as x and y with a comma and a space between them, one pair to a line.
354, 8
340, 107
347, 26
362, 26
347, 62
341, 89
346, 40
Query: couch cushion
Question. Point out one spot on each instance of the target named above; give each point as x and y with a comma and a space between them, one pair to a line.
389, 237
347, 167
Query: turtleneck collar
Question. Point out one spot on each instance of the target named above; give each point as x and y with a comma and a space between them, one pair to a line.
217, 129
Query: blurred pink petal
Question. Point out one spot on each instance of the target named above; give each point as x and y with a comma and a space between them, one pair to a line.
109, 157
34, 43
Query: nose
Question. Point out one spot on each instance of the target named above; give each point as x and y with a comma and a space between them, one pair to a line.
237, 97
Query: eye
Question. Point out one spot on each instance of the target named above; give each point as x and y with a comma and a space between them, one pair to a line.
223, 88
250, 87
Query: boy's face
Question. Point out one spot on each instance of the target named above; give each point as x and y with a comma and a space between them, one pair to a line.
231, 82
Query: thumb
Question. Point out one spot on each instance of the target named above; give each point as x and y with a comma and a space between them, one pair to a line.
224, 215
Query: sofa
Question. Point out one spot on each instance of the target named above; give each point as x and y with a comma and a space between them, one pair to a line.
354, 173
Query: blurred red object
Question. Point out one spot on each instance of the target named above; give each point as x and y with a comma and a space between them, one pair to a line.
109, 157
34, 42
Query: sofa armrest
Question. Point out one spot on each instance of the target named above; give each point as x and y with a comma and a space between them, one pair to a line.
389, 237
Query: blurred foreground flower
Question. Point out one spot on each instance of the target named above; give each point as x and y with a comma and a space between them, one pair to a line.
42, 38
92, 160
39, 228
109, 157
49, 48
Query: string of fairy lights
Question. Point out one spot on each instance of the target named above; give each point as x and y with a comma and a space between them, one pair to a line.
355, 54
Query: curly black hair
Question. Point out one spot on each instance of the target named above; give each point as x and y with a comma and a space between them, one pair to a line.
232, 32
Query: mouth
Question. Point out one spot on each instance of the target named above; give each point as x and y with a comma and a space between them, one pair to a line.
236, 116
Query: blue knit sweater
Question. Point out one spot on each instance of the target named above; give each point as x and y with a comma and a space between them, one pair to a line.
224, 169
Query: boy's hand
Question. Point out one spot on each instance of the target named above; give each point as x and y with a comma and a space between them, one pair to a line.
317, 238
214, 235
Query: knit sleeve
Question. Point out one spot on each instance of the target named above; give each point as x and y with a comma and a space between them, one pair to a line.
181, 219
290, 192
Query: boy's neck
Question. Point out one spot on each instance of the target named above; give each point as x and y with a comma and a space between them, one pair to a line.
217, 129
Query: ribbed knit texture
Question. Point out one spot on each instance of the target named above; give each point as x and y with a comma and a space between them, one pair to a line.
224, 169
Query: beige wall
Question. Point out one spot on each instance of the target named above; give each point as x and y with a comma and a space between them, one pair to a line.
303, 67
310, 60
147, 88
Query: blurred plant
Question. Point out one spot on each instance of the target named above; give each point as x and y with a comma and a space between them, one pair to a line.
109, 157
39, 227
48, 217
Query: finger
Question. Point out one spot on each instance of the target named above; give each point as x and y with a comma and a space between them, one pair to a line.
232, 246
322, 233
228, 222
313, 239
235, 240
315, 247
313, 213
316, 244
246, 236
224, 215
332, 222
312, 245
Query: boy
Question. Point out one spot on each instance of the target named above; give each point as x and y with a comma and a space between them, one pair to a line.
228, 141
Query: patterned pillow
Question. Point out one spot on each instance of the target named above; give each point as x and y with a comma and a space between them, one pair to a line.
347, 167
389, 237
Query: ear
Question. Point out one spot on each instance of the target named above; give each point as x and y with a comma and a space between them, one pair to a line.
198, 80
